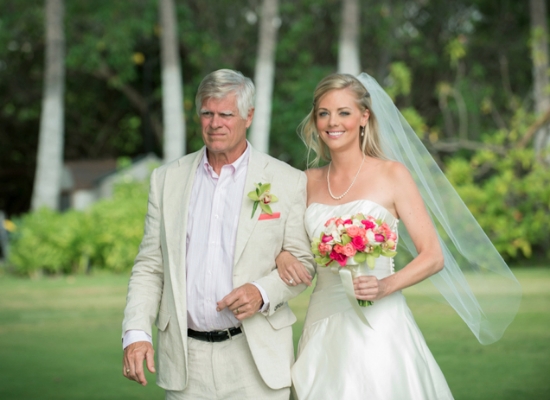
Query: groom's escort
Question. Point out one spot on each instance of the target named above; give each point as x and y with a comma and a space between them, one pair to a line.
205, 272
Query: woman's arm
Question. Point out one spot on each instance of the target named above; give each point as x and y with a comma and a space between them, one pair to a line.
411, 212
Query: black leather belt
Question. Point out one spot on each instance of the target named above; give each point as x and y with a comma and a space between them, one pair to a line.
214, 336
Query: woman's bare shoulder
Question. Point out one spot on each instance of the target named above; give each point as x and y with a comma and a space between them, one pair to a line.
315, 174
393, 170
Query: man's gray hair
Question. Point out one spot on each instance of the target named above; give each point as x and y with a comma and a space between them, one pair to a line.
223, 82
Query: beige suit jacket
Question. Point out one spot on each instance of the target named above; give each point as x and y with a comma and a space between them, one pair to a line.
157, 288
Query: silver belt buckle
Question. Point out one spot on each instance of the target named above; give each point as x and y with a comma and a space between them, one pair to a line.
229, 333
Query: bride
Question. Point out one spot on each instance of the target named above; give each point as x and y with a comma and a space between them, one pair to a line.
375, 352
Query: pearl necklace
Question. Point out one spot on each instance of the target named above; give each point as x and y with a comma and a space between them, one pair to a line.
354, 179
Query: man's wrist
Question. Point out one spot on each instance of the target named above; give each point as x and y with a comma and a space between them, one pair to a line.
265, 300
135, 335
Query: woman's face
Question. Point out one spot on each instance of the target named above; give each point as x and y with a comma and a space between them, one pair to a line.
338, 119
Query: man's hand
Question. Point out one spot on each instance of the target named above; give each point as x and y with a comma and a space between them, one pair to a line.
244, 301
132, 363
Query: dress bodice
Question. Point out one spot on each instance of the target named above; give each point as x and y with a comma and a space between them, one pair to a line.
316, 216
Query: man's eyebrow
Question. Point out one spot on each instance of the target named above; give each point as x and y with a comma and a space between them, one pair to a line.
204, 110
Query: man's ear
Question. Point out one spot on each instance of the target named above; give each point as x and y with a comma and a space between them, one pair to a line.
249, 117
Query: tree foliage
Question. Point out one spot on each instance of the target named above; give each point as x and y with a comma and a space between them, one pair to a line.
460, 71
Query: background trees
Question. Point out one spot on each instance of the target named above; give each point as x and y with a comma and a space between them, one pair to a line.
172, 88
264, 74
461, 72
47, 180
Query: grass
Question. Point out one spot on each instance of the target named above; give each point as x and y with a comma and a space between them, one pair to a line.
60, 339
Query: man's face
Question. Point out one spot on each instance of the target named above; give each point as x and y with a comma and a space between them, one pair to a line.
223, 129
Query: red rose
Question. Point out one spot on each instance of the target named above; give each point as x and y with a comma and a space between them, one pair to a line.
368, 224
358, 242
338, 257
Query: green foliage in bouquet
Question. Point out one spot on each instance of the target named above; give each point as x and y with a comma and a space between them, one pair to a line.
105, 236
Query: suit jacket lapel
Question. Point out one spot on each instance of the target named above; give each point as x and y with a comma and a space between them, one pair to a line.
255, 174
177, 192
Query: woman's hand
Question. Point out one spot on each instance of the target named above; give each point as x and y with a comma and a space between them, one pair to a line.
292, 271
369, 288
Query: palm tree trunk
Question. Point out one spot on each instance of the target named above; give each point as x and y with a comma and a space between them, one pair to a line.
172, 85
348, 49
47, 180
264, 75
539, 54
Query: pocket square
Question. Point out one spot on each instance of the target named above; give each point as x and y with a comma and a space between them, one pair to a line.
275, 215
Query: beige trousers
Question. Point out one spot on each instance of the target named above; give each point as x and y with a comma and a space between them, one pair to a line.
224, 371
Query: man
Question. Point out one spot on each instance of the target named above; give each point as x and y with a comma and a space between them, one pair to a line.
205, 272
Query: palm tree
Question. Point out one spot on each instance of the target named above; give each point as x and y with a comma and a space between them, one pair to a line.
172, 85
348, 49
264, 75
539, 54
47, 180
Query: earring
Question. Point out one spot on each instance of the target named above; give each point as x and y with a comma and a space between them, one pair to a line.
362, 131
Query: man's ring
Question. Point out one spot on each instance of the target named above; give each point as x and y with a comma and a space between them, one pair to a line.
291, 281
127, 370
237, 310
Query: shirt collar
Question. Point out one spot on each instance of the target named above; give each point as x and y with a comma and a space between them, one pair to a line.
235, 168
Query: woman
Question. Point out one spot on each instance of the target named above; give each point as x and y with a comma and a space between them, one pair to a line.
376, 352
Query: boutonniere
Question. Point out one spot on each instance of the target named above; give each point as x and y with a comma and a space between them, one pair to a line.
262, 197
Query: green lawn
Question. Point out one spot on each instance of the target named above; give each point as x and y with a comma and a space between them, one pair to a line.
60, 339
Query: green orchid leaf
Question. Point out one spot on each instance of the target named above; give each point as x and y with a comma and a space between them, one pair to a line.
266, 208
254, 207
370, 261
274, 198
264, 188
315, 247
345, 239
360, 257
253, 195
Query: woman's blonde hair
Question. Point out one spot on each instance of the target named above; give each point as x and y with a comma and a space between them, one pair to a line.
369, 143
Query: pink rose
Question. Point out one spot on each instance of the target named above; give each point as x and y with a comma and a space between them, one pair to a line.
348, 222
358, 242
378, 237
353, 231
349, 250
338, 257
368, 224
338, 248
324, 248
326, 238
339, 221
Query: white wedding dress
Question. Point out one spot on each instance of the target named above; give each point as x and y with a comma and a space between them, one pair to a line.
341, 357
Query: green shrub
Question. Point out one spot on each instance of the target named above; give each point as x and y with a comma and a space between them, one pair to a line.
105, 236
508, 194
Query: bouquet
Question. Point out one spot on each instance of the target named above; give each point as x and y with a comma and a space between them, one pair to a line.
354, 240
